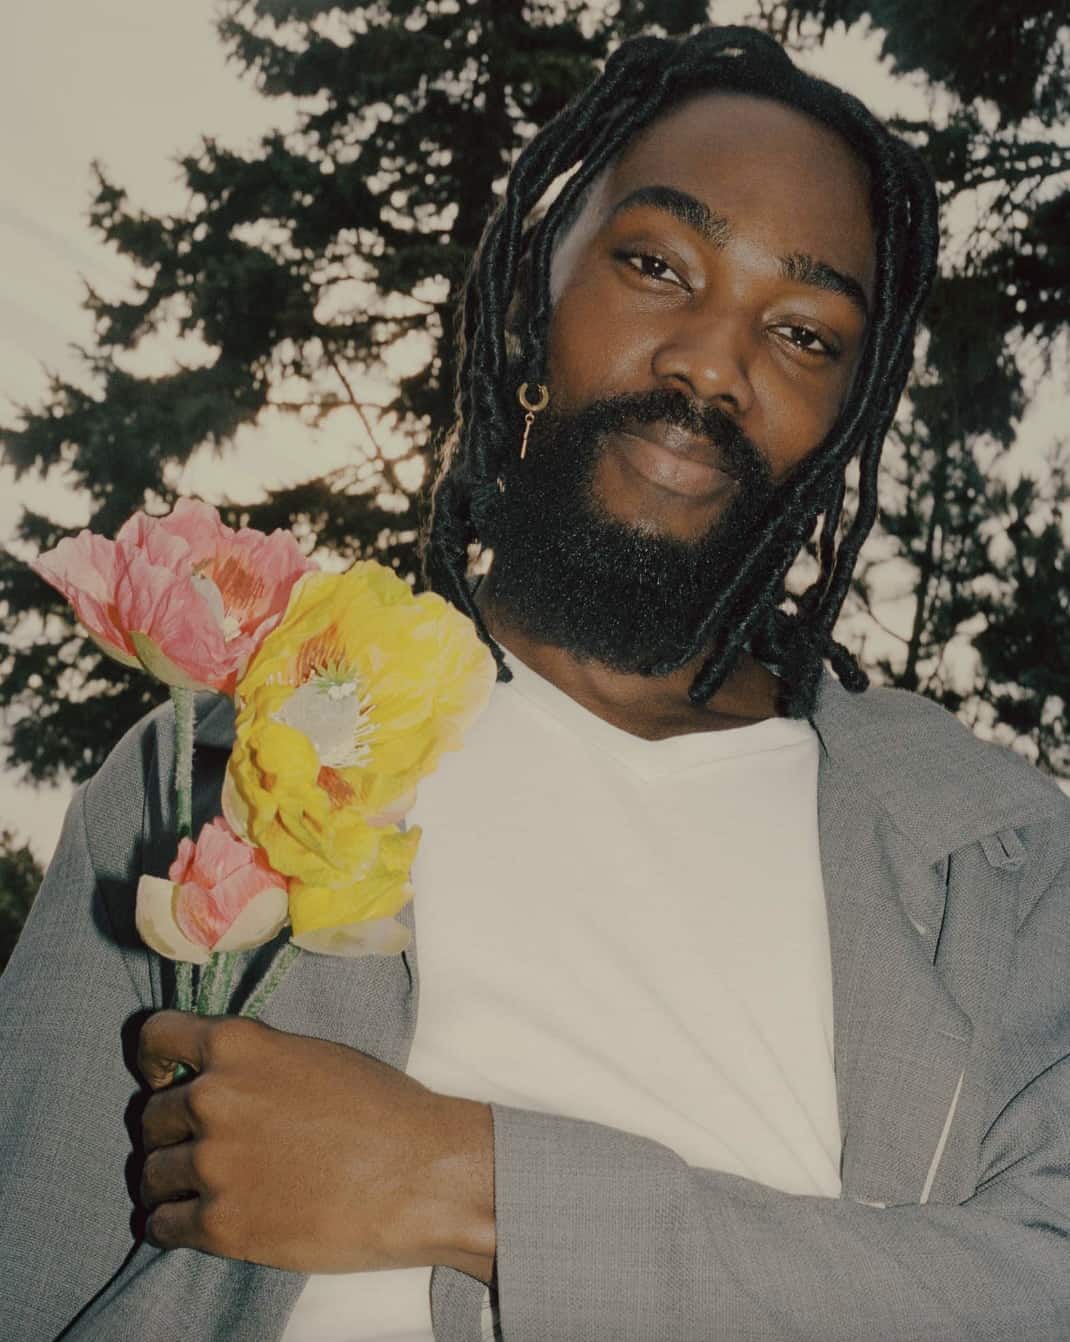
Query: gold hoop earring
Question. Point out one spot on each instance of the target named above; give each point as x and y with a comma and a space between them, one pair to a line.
532, 408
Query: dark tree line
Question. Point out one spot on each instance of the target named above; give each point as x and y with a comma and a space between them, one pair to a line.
19, 878
301, 263
986, 570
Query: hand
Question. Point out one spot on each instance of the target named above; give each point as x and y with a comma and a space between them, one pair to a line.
308, 1155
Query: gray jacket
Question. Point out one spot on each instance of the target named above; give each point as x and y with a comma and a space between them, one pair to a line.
946, 872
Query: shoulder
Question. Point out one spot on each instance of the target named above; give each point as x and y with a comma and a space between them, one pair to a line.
128, 803
940, 783
151, 738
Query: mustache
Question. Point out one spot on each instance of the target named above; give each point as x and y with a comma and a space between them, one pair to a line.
739, 456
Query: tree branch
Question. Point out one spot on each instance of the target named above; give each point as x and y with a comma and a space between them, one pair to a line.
867, 605
386, 465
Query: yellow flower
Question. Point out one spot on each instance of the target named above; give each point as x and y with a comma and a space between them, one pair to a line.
348, 703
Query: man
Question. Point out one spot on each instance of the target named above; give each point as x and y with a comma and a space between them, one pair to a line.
742, 1007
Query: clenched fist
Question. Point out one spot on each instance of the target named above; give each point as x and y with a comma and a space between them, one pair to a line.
303, 1154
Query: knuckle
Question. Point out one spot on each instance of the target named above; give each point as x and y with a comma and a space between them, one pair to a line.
146, 1050
152, 1061
216, 1226
147, 1033
229, 1035
203, 1095
204, 1165
150, 1122
148, 1182
151, 1027
161, 1228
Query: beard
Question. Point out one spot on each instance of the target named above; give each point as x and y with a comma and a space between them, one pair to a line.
568, 573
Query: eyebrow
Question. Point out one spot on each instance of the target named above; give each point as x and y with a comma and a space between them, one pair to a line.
715, 229
804, 269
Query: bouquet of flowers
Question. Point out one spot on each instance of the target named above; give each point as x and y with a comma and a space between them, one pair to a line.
348, 689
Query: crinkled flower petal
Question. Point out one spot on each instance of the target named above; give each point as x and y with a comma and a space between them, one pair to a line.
178, 630
184, 596
379, 936
350, 701
209, 916
221, 895
412, 665
157, 927
253, 574
379, 892
83, 568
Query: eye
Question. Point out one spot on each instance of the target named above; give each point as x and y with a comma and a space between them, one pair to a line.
651, 266
807, 340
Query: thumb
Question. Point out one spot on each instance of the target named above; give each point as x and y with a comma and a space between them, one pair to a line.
171, 1042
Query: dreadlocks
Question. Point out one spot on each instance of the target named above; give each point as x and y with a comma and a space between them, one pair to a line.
642, 80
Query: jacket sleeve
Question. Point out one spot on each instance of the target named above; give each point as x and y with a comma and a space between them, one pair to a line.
72, 999
69, 1000
605, 1236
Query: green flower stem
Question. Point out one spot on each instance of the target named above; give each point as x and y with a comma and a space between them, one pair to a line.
183, 986
183, 702
183, 705
206, 988
223, 982
276, 972
216, 983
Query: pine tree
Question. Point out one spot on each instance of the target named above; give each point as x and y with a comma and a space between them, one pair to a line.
986, 561
299, 268
20, 877
309, 263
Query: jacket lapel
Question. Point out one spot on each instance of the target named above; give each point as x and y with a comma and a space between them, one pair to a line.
900, 1039
902, 787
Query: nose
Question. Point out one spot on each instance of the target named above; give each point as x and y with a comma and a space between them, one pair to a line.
704, 353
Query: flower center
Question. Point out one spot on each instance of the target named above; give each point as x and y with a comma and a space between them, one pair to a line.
330, 710
208, 591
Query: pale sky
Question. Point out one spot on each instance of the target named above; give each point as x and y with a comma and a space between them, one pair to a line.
135, 83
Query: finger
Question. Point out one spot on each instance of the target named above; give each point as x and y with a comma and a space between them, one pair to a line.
168, 1038
176, 1225
167, 1118
168, 1174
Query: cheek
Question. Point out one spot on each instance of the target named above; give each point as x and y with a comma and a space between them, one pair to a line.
790, 418
595, 349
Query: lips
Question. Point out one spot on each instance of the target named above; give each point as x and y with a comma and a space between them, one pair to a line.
676, 439
672, 458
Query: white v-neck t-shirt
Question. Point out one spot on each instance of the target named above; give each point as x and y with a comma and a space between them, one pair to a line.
627, 931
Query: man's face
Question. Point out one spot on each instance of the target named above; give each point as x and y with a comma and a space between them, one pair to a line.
729, 255
710, 307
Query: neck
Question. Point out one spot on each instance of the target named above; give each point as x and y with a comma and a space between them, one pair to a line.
653, 707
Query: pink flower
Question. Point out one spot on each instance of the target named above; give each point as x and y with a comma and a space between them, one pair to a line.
221, 896
184, 596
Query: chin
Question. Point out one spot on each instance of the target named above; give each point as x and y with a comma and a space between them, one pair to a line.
654, 523
655, 513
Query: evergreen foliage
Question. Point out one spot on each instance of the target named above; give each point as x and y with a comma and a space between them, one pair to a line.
297, 267
20, 877
306, 263
986, 568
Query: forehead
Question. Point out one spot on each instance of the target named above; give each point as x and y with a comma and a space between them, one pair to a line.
773, 173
